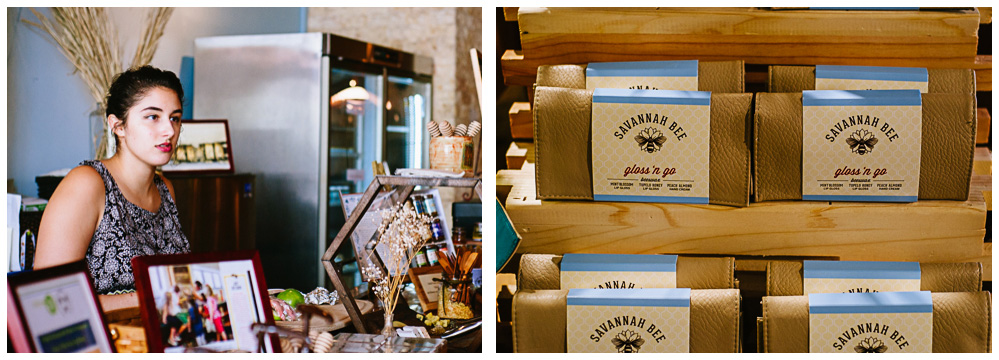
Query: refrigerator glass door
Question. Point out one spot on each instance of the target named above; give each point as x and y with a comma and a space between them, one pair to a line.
354, 115
407, 110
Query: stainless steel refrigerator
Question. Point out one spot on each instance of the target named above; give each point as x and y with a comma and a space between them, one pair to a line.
308, 113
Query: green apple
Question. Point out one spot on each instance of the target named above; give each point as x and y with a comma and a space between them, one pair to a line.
292, 297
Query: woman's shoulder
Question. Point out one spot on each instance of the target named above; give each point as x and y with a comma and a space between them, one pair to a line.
84, 178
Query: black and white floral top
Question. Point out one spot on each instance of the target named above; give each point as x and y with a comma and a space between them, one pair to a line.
126, 231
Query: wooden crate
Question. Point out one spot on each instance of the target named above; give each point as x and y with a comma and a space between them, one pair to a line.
940, 231
934, 39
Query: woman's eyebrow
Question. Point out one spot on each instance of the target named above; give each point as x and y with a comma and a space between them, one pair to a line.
152, 108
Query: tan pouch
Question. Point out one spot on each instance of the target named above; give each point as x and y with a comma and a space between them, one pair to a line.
946, 157
962, 322
542, 271
785, 79
562, 145
713, 76
784, 278
539, 321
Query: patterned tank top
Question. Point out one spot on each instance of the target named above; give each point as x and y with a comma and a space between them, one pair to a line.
126, 231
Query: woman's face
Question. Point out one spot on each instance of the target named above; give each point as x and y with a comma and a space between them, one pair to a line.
153, 126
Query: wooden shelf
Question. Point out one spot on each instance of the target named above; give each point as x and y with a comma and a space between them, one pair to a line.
929, 231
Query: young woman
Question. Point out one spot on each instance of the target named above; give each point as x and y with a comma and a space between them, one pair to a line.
212, 305
110, 211
170, 310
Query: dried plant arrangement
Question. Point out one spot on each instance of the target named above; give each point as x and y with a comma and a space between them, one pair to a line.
89, 40
403, 231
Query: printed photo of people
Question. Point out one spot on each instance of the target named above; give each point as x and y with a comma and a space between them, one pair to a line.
192, 308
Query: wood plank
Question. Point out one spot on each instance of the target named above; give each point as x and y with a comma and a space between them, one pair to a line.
985, 15
519, 153
983, 72
984, 127
521, 121
510, 13
921, 231
934, 39
747, 21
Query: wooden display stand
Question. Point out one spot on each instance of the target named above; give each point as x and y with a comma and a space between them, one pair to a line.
407, 185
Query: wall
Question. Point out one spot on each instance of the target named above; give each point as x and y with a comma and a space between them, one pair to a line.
446, 34
48, 105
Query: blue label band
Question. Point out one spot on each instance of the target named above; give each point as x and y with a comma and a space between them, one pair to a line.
871, 73
652, 199
860, 198
681, 68
861, 270
619, 262
629, 297
860, 98
664, 97
871, 303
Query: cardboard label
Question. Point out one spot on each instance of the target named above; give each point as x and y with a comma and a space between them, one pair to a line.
860, 276
871, 322
618, 271
861, 145
628, 320
837, 77
643, 75
651, 145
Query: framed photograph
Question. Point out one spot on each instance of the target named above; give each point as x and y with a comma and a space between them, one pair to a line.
203, 147
206, 300
427, 289
55, 310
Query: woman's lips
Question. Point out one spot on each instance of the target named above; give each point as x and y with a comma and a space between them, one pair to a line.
165, 147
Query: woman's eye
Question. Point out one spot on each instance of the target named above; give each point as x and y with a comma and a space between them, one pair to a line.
152, 117
175, 118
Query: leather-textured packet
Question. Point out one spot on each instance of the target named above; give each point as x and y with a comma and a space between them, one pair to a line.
962, 322
562, 145
713, 76
787, 78
946, 154
784, 278
541, 272
539, 321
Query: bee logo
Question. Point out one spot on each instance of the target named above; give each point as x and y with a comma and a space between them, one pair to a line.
628, 342
650, 140
870, 345
862, 141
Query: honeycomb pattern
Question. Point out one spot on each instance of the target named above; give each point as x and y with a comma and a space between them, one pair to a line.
684, 83
917, 328
581, 322
689, 155
819, 286
642, 280
854, 84
900, 157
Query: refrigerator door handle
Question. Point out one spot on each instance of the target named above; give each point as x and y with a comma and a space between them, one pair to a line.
324, 162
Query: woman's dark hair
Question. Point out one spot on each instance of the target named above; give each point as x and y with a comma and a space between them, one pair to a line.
130, 86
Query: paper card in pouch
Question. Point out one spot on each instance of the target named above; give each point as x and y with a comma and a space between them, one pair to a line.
861, 145
618, 271
889, 322
651, 145
643, 75
840, 77
860, 276
628, 320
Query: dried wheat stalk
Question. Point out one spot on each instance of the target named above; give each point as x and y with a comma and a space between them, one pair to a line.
89, 40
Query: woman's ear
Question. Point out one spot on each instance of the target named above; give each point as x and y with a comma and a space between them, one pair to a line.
116, 126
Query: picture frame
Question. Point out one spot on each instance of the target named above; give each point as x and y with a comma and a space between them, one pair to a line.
186, 298
427, 289
55, 310
204, 147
